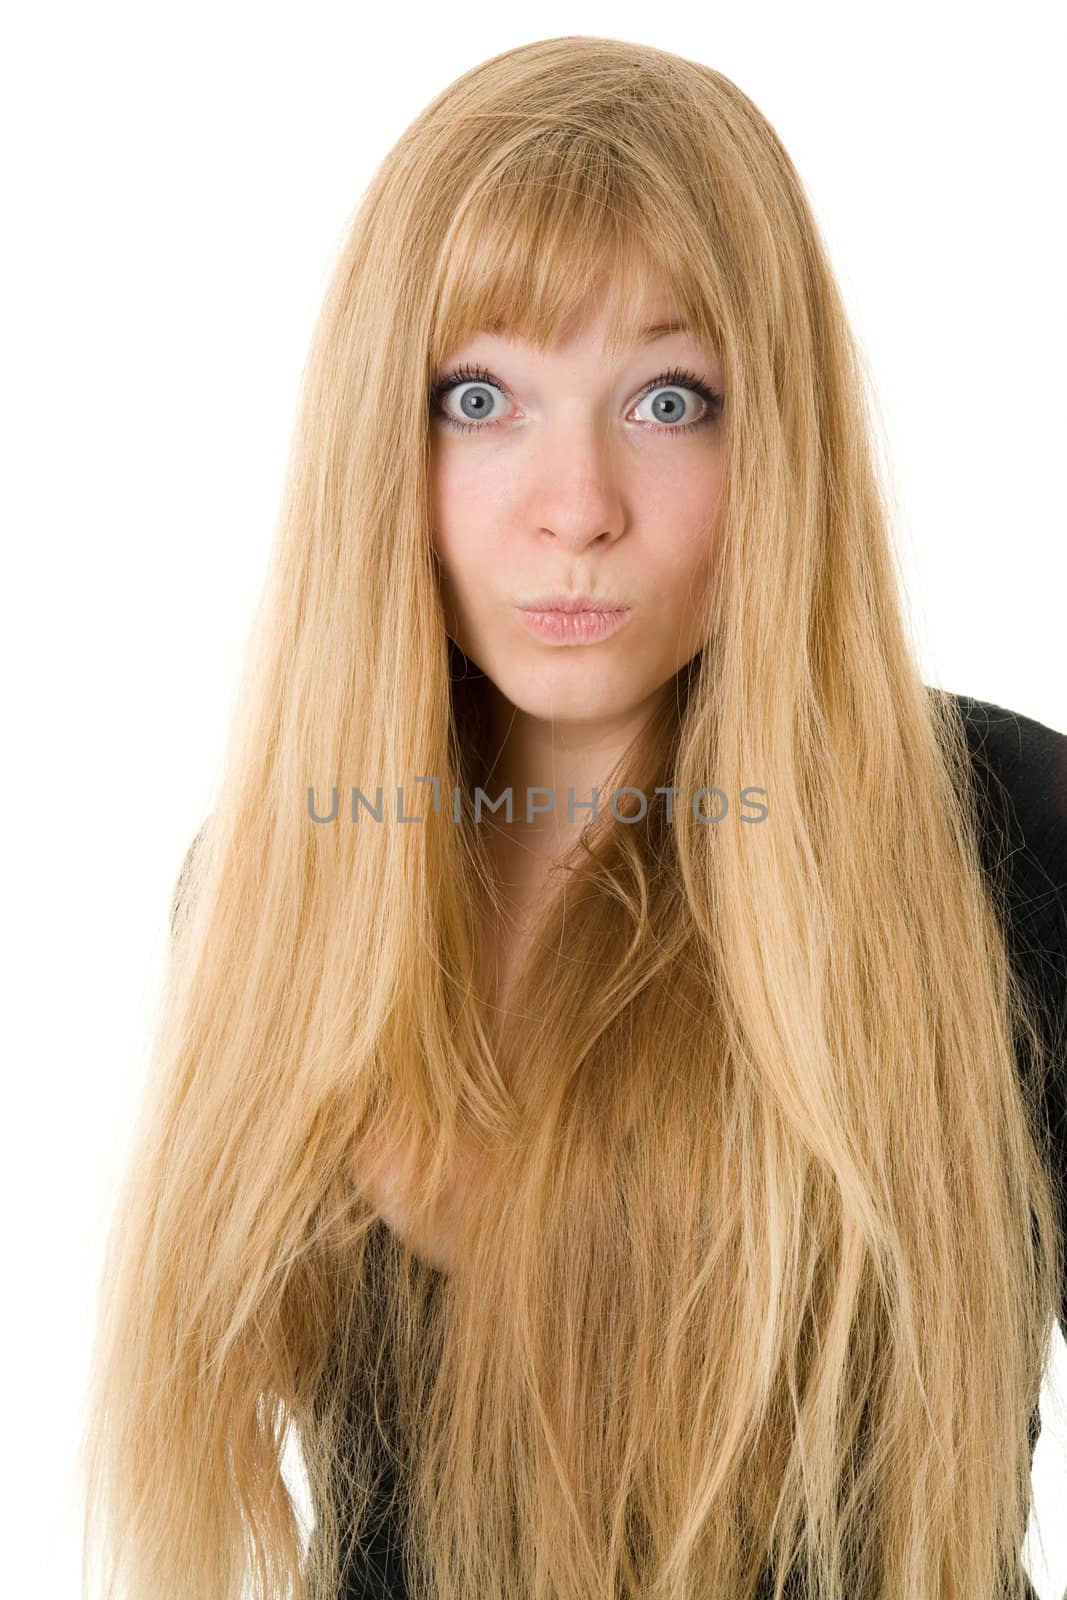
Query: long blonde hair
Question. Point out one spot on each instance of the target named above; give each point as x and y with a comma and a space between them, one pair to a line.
763, 1269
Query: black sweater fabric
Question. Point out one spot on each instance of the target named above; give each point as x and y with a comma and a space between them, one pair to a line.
1020, 768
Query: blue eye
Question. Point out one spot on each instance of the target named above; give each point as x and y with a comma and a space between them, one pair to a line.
672, 385
477, 377
670, 382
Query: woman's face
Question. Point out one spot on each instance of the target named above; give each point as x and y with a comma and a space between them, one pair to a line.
572, 473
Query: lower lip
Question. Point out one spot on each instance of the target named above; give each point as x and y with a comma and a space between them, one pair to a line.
572, 627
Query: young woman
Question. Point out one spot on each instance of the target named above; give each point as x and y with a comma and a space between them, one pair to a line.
656, 1191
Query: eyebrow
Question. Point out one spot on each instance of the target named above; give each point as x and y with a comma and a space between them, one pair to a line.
655, 330
659, 330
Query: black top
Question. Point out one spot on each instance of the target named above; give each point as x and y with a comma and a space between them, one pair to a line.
1021, 771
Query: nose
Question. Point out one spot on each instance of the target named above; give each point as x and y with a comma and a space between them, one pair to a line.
575, 493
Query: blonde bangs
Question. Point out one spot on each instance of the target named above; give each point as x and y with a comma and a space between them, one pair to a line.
556, 235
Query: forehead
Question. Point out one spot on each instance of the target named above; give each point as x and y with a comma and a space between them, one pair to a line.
548, 301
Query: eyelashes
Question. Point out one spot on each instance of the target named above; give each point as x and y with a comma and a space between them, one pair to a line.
675, 377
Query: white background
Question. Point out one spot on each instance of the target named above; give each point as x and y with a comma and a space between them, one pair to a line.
177, 182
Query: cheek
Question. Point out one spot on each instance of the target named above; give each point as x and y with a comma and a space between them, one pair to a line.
684, 497
457, 505
689, 548
458, 559
685, 567
437, 497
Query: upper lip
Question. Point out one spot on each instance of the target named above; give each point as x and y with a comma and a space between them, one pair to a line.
571, 602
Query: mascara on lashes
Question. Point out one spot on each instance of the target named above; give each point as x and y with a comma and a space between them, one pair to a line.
674, 377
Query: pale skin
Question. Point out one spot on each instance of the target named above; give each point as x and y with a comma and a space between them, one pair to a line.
569, 481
